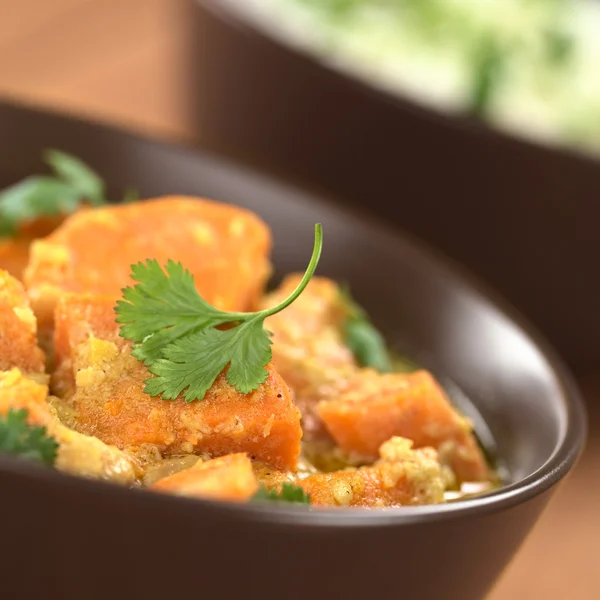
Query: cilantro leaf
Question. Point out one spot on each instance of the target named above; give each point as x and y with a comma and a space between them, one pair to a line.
36, 196
71, 184
249, 355
78, 175
363, 338
175, 332
201, 357
367, 345
288, 493
19, 438
163, 307
194, 362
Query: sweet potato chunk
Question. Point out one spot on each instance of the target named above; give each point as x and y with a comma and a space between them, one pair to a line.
229, 477
104, 384
374, 407
18, 391
14, 252
18, 343
401, 477
14, 255
225, 247
308, 349
77, 454
360, 408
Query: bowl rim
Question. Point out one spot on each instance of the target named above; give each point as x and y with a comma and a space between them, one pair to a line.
567, 448
227, 11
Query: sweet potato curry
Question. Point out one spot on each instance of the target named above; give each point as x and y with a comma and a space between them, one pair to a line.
134, 349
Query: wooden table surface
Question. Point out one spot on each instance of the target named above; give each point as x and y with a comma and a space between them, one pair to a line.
124, 61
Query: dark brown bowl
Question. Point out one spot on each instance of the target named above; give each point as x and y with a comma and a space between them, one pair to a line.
73, 539
521, 216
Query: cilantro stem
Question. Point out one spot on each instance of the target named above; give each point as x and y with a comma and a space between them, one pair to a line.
310, 271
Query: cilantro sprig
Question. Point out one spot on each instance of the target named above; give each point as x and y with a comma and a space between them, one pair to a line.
71, 184
19, 438
363, 338
182, 338
288, 493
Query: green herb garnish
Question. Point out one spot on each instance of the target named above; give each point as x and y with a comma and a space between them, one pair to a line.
71, 184
74, 172
363, 338
19, 438
176, 333
489, 62
288, 493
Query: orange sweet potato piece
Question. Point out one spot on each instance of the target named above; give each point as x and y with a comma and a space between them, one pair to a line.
18, 342
374, 407
77, 454
308, 348
14, 252
225, 247
104, 384
84, 323
229, 477
14, 255
18, 391
401, 477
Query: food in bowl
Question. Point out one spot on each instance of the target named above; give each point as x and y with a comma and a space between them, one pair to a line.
166, 364
34, 207
527, 67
